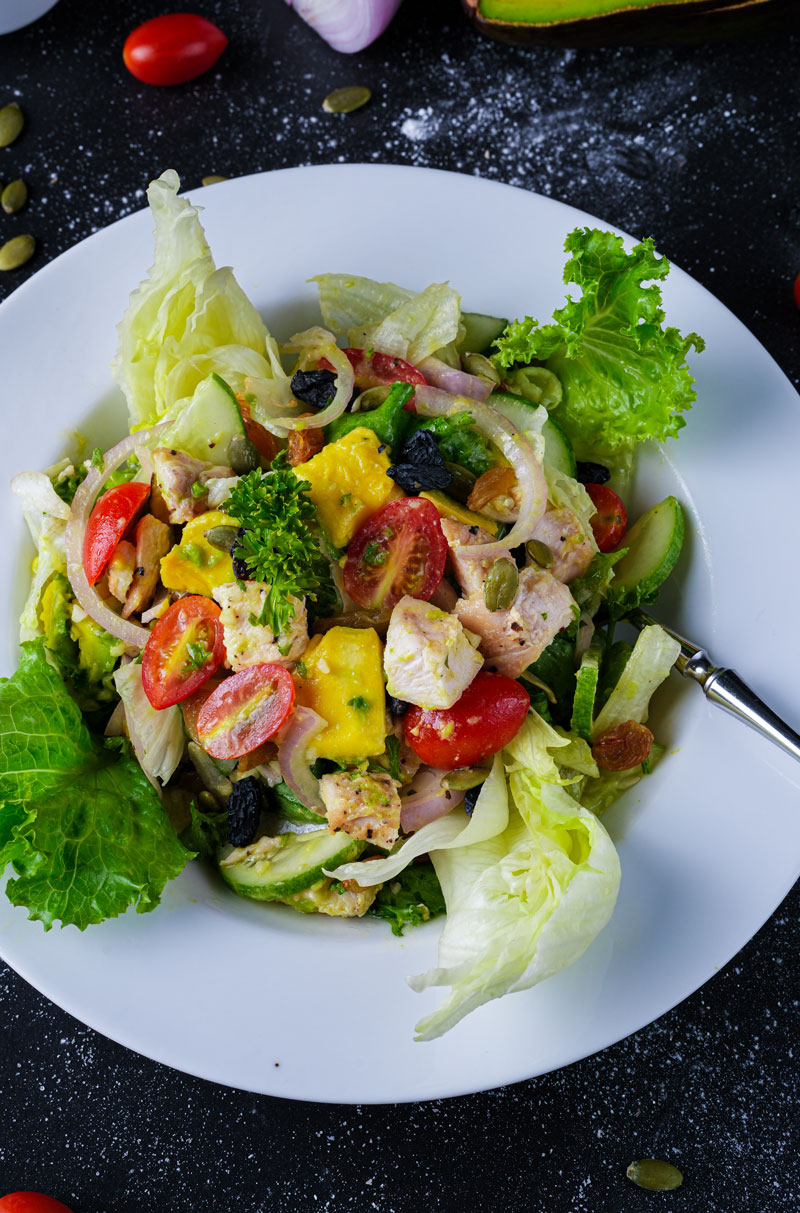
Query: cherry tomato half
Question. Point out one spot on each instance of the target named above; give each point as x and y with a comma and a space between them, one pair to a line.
264, 442
400, 550
611, 520
31, 1202
108, 522
185, 648
245, 710
486, 717
173, 48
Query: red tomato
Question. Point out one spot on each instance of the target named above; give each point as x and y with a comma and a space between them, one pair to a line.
486, 717
31, 1202
245, 710
399, 550
173, 48
190, 707
377, 370
611, 520
264, 442
108, 522
797, 290
185, 648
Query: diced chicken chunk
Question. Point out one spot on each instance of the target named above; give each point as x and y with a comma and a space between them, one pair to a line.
248, 643
512, 639
153, 541
566, 537
470, 571
120, 570
175, 475
346, 900
363, 805
429, 659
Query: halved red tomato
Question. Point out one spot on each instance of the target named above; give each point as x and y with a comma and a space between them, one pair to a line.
245, 710
400, 550
611, 520
486, 717
185, 648
373, 369
112, 515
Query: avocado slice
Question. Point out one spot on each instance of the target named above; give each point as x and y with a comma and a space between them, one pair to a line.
609, 22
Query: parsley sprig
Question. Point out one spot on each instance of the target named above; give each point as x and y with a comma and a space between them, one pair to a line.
279, 544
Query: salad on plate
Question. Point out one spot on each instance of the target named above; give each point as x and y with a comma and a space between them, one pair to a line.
340, 617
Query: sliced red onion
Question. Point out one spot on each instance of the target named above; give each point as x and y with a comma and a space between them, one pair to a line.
303, 726
427, 801
432, 402
315, 344
347, 25
82, 504
440, 375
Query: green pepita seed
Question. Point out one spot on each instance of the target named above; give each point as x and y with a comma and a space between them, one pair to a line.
655, 1175
500, 587
212, 179
463, 482
12, 121
221, 537
243, 455
465, 778
16, 252
539, 552
14, 197
345, 100
478, 364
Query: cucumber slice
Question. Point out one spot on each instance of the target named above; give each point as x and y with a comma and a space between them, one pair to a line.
290, 807
654, 544
268, 872
558, 452
480, 332
205, 425
585, 691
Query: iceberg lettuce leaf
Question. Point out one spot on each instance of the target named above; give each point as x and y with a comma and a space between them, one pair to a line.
390, 318
653, 656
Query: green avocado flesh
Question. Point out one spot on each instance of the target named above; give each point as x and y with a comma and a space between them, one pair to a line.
544, 12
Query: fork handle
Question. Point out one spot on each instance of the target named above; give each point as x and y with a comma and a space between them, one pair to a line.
729, 691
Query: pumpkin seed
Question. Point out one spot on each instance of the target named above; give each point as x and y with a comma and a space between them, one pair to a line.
243, 455
14, 197
16, 252
539, 552
462, 483
478, 364
345, 100
655, 1175
12, 121
222, 537
500, 587
212, 179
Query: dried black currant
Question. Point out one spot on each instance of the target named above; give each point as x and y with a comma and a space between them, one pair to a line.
422, 449
414, 478
314, 387
470, 799
244, 810
592, 473
398, 707
240, 569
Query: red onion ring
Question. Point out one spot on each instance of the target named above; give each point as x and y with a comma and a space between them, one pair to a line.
428, 800
317, 343
459, 383
82, 505
304, 725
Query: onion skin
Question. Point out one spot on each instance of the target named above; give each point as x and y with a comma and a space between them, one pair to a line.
303, 725
428, 800
440, 375
347, 25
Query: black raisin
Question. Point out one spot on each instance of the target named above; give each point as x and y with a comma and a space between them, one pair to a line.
414, 478
398, 707
240, 569
314, 387
592, 473
422, 449
470, 798
244, 810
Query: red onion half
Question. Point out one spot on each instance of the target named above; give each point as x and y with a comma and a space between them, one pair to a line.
459, 383
427, 801
304, 725
347, 25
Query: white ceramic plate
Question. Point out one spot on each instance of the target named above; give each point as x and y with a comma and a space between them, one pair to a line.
318, 1009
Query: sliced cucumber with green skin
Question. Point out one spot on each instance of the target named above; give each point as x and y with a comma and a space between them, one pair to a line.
654, 544
525, 415
558, 452
480, 332
287, 804
585, 690
267, 873
205, 425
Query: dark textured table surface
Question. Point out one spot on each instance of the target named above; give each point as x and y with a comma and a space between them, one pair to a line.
697, 146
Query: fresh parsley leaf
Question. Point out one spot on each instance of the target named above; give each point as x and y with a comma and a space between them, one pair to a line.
97, 459
67, 486
374, 554
414, 897
359, 703
196, 655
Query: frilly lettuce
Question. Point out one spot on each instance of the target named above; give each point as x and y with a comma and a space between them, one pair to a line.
527, 902
160, 732
187, 318
624, 374
391, 318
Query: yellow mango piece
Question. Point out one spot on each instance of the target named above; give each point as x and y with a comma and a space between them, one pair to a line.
341, 677
193, 566
349, 483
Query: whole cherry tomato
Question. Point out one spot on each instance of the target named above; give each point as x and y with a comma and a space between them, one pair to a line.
245, 710
400, 550
486, 717
31, 1202
108, 522
611, 520
173, 48
185, 648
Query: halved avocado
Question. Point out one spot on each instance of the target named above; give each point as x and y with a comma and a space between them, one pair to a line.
610, 22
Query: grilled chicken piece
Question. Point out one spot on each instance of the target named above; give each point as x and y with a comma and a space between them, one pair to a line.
363, 805
347, 900
120, 570
175, 474
153, 541
429, 659
471, 572
249, 643
566, 537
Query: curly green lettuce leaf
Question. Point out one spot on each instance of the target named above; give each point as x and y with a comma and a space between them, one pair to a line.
624, 373
79, 822
528, 902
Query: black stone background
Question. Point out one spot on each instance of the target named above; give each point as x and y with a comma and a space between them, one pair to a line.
694, 145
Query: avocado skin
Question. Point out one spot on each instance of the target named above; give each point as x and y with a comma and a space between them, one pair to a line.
684, 21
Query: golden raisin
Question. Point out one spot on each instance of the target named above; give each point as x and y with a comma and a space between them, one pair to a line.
304, 444
623, 747
497, 482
